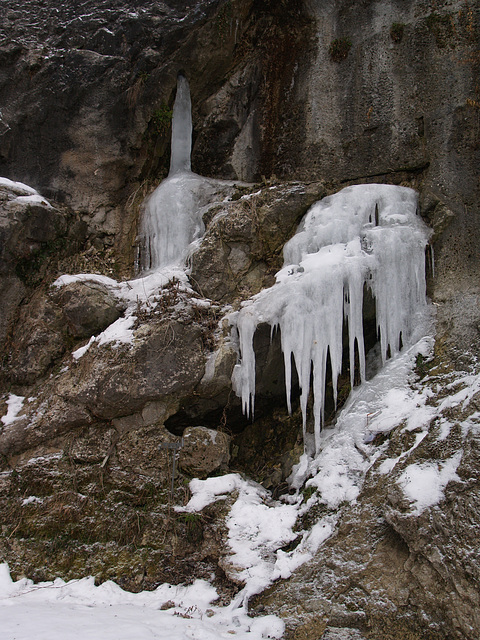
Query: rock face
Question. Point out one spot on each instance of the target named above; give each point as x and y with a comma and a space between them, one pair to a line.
88, 420
391, 566
88, 308
47, 324
32, 232
269, 89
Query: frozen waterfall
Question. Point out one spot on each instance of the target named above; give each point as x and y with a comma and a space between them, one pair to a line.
168, 218
171, 219
365, 235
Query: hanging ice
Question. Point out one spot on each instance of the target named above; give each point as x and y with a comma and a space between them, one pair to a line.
363, 235
181, 129
171, 217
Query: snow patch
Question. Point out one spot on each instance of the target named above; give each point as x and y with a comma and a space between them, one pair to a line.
14, 404
61, 610
31, 500
257, 529
33, 199
424, 483
17, 187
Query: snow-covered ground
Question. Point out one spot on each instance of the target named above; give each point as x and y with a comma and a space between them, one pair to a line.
78, 609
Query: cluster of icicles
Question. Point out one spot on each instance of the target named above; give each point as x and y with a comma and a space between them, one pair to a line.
364, 235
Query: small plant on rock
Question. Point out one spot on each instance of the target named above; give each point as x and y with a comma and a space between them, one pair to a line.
161, 119
193, 526
307, 492
339, 48
396, 31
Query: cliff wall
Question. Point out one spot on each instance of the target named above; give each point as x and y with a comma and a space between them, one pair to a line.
323, 93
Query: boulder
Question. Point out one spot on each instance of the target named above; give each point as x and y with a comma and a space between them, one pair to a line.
242, 247
88, 307
33, 235
47, 323
38, 339
204, 451
166, 360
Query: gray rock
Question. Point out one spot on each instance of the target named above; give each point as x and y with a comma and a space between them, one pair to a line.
204, 451
42, 422
165, 360
88, 307
12, 292
91, 445
38, 340
140, 452
339, 633
242, 247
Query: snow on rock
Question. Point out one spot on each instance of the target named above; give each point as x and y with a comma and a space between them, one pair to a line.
257, 529
204, 492
423, 483
138, 294
31, 500
17, 187
376, 406
287, 562
85, 277
365, 235
14, 404
33, 199
24, 195
119, 332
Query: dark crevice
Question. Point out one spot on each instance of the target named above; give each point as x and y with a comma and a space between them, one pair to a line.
363, 178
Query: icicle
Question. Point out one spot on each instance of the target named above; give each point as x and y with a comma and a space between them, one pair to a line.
243, 378
181, 128
363, 235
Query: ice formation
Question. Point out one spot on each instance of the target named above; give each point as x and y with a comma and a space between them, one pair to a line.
171, 219
364, 235
181, 129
